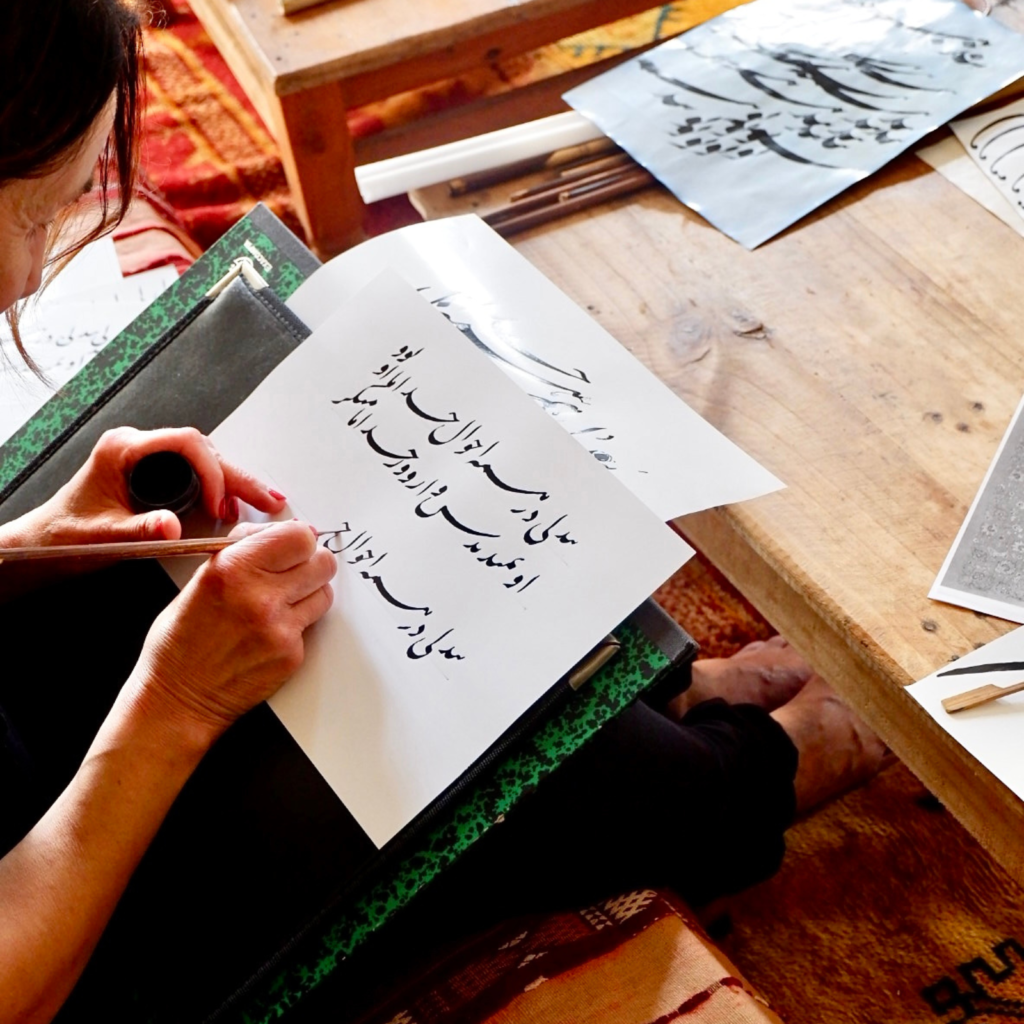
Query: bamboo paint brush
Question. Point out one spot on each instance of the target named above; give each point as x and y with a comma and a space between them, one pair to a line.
127, 549
546, 207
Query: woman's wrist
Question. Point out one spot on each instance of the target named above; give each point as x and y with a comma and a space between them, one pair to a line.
28, 530
150, 704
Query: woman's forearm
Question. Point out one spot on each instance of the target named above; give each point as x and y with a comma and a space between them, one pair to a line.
60, 885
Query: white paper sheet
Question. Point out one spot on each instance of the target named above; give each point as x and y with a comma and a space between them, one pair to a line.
992, 732
984, 569
666, 454
63, 331
96, 266
948, 157
762, 114
993, 141
386, 423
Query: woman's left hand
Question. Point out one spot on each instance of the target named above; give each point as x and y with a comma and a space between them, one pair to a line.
93, 507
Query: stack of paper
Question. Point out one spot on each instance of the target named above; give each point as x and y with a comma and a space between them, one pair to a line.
88, 304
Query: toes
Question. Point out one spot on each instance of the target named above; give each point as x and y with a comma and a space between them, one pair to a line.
752, 648
774, 644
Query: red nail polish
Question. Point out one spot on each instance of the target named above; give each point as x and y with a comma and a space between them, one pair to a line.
277, 495
314, 529
233, 508
222, 512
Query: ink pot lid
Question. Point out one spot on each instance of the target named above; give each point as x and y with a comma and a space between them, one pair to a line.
163, 480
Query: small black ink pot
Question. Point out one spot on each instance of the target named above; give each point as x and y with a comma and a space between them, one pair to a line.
163, 480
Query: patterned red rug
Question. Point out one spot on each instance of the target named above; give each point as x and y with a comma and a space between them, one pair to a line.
205, 148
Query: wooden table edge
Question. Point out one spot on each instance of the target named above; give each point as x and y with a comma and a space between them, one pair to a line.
224, 23
864, 677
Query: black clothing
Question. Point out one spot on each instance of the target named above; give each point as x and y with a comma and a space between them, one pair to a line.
700, 806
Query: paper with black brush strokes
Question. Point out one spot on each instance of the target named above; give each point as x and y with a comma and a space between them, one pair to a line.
762, 114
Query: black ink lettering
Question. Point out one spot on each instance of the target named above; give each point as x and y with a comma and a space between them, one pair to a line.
448, 517
594, 430
998, 135
518, 580
371, 441
343, 545
761, 136
471, 446
490, 349
390, 598
405, 353
421, 488
531, 538
433, 436
494, 479
365, 555
448, 653
450, 418
652, 69
526, 519
490, 562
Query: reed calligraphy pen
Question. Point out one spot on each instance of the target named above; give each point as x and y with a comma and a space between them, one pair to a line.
586, 183
127, 549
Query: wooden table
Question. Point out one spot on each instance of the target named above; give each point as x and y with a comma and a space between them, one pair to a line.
871, 357
305, 71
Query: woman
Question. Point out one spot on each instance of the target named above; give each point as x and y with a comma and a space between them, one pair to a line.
61, 117
69, 105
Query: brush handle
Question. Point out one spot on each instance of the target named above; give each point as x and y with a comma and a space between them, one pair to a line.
980, 695
126, 549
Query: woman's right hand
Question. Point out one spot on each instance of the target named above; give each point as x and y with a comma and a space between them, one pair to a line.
235, 632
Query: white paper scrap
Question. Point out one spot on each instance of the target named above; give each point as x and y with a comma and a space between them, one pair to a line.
63, 333
991, 732
481, 552
96, 266
948, 157
651, 441
993, 140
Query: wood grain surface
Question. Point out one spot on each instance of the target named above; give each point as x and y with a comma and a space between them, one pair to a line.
304, 72
413, 42
871, 357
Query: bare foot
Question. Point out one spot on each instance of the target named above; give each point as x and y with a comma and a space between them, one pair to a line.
767, 673
837, 750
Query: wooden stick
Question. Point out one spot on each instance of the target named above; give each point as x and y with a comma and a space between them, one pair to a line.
508, 220
980, 695
580, 173
569, 157
561, 193
127, 549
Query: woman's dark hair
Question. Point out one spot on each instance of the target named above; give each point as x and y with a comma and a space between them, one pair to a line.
61, 61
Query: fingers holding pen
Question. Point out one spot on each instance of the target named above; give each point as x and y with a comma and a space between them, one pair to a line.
263, 593
313, 607
290, 553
